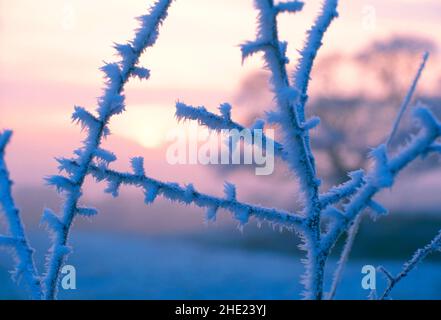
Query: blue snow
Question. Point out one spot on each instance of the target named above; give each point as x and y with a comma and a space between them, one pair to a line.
139, 267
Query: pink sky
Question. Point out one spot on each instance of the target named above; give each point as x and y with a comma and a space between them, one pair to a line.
50, 51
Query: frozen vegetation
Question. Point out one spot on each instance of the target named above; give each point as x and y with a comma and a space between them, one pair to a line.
327, 215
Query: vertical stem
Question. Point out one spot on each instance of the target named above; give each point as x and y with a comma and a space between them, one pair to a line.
344, 257
145, 36
26, 265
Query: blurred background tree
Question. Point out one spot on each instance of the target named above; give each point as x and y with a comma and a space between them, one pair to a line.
366, 87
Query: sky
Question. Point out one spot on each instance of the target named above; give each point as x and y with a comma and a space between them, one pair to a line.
50, 52
50, 55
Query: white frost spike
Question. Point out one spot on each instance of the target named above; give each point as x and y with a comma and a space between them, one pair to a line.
290, 6
189, 193
230, 191
383, 177
84, 118
141, 73
66, 165
378, 209
225, 110
151, 192
242, 215
138, 165
60, 183
52, 220
125, 51
113, 187
427, 119
105, 155
111, 71
251, 47
87, 212
211, 213
5, 136
311, 123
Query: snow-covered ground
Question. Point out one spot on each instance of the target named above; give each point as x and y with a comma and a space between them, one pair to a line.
135, 267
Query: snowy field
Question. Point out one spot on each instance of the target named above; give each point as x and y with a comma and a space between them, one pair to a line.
133, 267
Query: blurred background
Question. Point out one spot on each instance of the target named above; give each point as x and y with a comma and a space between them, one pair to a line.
50, 52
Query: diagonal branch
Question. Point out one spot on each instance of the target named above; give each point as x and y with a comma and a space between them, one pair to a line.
353, 230
241, 211
418, 256
218, 122
343, 191
383, 174
408, 98
344, 257
109, 104
302, 74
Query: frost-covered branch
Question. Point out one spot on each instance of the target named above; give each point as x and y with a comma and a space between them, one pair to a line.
302, 74
344, 257
25, 267
384, 173
290, 100
187, 194
109, 104
382, 176
295, 127
372, 204
221, 122
408, 98
343, 191
291, 96
293, 130
418, 257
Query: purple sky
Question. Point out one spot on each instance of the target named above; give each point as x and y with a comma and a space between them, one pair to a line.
50, 52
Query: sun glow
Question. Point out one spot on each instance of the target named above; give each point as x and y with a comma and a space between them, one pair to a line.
147, 125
